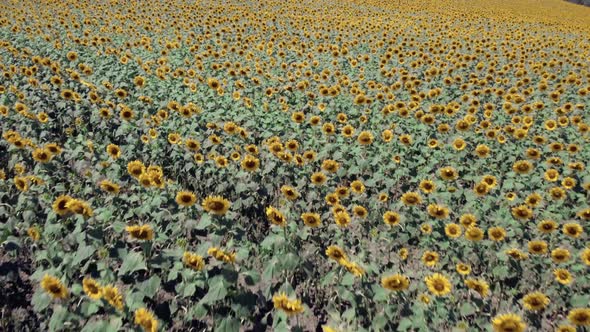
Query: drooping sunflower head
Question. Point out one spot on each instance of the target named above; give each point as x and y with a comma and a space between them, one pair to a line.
396, 282
146, 320
275, 216
336, 253
193, 261
54, 287
140, 232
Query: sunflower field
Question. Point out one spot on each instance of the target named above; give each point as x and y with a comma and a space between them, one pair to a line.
314, 165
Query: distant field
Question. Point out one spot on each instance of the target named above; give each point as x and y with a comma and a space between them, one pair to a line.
307, 165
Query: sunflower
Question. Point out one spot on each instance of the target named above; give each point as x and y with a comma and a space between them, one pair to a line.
403, 253
533, 200
21, 183
566, 328
584, 214
430, 258
331, 166
516, 254
216, 205
522, 167
250, 163
490, 180
112, 295
562, 276
396, 282
585, 256
126, 114
406, 139
42, 155
92, 288
290, 192
481, 189
478, 285
448, 173
342, 218
193, 261
220, 255
318, 178
438, 284
213, 83
547, 226
275, 216
537, 247
411, 198
146, 320
463, 269
508, 323
33, 233
311, 219
438, 211
140, 232
579, 316
109, 186
427, 186
426, 228
459, 144
54, 287
186, 198
522, 212
332, 199
391, 218
453, 230
497, 233
114, 151
53, 148
336, 253
482, 151
289, 306
573, 230
535, 301
347, 131
357, 187
60, 205
360, 211
328, 128
353, 268
365, 138
135, 168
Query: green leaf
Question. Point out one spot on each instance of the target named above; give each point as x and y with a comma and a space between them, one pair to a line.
40, 300
59, 315
150, 286
204, 222
347, 280
580, 300
82, 253
405, 324
217, 291
229, 324
133, 262
467, 309
500, 271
